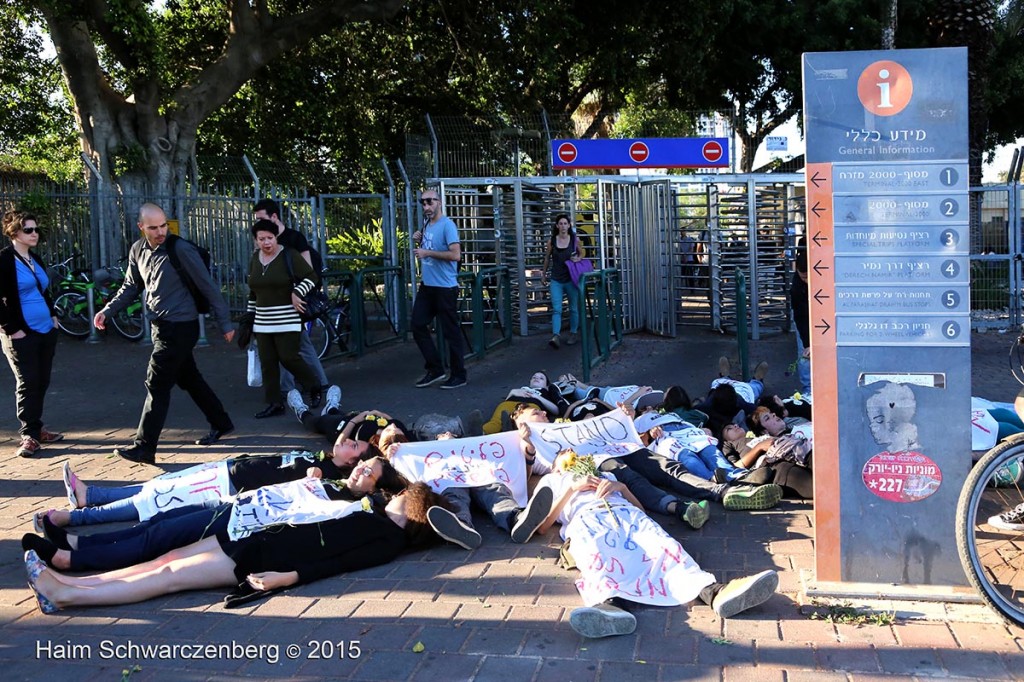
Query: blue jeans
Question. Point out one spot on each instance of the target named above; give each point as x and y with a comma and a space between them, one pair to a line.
495, 499
558, 291
150, 539
705, 462
803, 367
106, 505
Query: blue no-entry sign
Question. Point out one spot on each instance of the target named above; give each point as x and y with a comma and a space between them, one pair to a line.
655, 152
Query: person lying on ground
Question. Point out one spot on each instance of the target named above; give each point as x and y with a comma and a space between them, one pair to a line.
335, 425
742, 448
185, 525
92, 504
677, 401
491, 483
624, 556
615, 444
639, 398
793, 412
265, 561
539, 392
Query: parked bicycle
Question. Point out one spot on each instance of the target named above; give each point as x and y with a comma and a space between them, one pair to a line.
335, 326
71, 300
990, 521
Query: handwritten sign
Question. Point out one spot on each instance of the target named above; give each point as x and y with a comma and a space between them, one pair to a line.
466, 463
604, 437
622, 552
194, 485
293, 503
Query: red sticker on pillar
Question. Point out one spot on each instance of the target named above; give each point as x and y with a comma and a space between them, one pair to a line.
902, 476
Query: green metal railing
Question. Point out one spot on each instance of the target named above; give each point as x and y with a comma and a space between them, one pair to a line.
378, 309
488, 294
601, 322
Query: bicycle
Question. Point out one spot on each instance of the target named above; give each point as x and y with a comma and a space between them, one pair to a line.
71, 302
990, 523
335, 325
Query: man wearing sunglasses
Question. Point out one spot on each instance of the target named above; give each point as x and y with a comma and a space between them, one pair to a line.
438, 251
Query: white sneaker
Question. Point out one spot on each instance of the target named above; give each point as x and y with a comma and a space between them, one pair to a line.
745, 593
603, 620
298, 405
333, 401
1009, 520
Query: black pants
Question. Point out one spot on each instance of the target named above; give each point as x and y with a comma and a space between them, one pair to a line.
282, 349
172, 364
326, 425
442, 303
31, 360
670, 475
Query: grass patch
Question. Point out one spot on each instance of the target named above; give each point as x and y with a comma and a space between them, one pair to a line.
846, 613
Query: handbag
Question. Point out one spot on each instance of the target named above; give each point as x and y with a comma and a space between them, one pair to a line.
254, 373
245, 325
316, 300
578, 268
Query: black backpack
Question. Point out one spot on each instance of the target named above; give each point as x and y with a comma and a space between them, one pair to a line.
202, 305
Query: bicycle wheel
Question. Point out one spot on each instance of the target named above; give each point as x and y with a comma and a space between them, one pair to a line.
342, 326
128, 322
990, 528
319, 335
72, 311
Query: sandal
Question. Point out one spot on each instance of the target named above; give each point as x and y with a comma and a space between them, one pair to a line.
37, 521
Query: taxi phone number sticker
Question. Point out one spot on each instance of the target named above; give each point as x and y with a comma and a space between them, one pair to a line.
902, 476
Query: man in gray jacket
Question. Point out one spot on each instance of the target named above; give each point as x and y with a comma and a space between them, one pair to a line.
174, 316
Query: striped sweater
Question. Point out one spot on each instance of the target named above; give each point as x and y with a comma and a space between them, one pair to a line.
270, 292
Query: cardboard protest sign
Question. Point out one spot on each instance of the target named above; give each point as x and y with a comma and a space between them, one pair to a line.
194, 485
466, 463
294, 503
605, 436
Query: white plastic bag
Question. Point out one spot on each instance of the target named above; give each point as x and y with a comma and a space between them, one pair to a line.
254, 374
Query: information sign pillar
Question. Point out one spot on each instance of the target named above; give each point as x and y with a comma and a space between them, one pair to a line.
888, 211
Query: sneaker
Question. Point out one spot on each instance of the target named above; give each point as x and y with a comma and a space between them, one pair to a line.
555, 342
333, 401
744, 593
473, 424
454, 383
749, 497
451, 528
1009, 520
761, 370
297, 404
429, 379
50, 436
572, 340
724, 367
603, 620
29, 447
529, 519
695, 514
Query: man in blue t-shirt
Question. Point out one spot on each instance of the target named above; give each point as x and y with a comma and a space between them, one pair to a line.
439, 252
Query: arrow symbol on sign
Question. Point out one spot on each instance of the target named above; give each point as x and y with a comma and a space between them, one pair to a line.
824, 327
818, 239
818, 267
817, 210
819, 295
817, 179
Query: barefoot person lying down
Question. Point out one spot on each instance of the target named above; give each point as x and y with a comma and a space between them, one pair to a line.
268, 560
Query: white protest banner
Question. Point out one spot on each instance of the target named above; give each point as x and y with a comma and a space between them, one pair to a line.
293, 503
194, 485
605, 436
622, 552
466, 463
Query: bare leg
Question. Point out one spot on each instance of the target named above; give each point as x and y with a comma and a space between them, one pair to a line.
130, 572
207, 567
1018, 404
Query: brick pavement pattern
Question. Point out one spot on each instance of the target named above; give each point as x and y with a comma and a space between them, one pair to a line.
497, 613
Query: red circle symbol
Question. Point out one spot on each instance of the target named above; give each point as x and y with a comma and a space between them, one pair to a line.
638, 152
567, 152
712, 151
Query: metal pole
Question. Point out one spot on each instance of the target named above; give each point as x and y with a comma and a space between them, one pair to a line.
741, 322
752, 240
255, 178
100, 212
433, 146
202, 342
90, 297
547, 137
410, 227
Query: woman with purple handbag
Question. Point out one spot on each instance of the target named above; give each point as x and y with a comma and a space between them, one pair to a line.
564, 252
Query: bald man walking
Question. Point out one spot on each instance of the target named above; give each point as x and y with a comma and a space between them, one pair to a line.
153, 266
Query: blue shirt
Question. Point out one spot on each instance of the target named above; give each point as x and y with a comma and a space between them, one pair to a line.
438, 236
33, 305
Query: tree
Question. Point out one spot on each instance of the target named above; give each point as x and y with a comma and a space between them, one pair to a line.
143, 78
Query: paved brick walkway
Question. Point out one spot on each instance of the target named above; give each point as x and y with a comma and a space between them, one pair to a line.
494, 614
